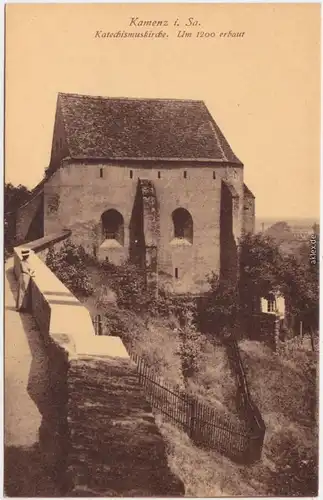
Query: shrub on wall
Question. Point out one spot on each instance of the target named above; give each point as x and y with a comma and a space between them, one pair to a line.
130, 286
69, 265
218, 313
191, 351
134, 297
192, 341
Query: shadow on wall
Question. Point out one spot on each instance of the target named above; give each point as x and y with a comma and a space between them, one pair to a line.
116, 448
228, 247
30, 220
36, 228
33, 471
137, 246
97, 435
25, 473
38, 379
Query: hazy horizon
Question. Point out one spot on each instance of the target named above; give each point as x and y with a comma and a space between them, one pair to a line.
285, 218
294, 222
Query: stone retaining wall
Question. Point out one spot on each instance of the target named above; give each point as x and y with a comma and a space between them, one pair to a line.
98, 434
116, 447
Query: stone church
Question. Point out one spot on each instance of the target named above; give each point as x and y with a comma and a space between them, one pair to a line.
150, 180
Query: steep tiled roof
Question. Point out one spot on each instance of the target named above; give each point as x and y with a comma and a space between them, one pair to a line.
148, 129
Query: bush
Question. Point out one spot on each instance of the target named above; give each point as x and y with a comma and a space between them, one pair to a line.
69, 265
214, 380
191, 351
218, 313
124, 324
296, 471
165, 305
158, 343
192, 341
129, 284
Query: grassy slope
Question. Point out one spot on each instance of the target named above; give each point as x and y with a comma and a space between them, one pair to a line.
279, 387
157, 341
287, 399
282, 391
205, 473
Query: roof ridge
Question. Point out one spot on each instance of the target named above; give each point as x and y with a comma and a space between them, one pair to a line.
98, 126
60, 112
87, 96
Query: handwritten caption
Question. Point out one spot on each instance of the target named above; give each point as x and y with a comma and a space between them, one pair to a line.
163, 28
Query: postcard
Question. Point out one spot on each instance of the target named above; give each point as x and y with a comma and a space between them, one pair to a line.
161, 234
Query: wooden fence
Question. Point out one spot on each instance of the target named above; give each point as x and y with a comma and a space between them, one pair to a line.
245, 405
240, 441
99, 325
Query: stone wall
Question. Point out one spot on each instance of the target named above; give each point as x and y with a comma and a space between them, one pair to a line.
83, 195
151, 223
229, 237
98, 435
116, 448
248, 225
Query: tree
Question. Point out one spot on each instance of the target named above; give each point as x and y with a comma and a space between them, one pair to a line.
264, 269
14, 197
280, 232
129, 284
301, 285
219, 312
260, 265
69, 265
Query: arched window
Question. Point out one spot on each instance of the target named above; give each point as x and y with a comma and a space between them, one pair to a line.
183, 224
112, 226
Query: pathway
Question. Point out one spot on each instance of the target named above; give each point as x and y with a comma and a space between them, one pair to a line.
25, 382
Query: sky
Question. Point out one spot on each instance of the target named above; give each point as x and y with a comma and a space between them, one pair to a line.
263, 89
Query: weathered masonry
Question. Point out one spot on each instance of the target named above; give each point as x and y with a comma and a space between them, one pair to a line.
153, 180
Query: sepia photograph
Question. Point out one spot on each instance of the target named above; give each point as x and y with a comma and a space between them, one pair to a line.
161, 250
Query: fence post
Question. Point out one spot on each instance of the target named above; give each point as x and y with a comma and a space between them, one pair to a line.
254, 449
96, 323
192, 417
312, 339
99, 325
139, 366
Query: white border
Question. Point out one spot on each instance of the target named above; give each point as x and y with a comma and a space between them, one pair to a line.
2, 45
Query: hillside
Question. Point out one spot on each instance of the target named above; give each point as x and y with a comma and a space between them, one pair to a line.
301, 223
283, 385
286, 400
157, 341
289, 462
291, 239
